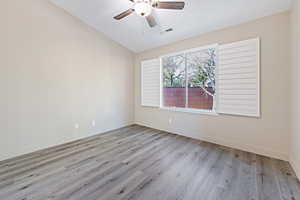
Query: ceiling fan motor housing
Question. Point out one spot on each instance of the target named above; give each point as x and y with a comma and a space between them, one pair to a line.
143, 8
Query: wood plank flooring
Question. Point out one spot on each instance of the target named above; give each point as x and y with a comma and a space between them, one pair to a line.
139, 163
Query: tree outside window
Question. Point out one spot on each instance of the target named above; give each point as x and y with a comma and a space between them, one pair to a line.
198, 68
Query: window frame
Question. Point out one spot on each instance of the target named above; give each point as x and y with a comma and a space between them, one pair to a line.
213, 111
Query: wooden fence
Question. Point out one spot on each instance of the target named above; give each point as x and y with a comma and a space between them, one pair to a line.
197, 98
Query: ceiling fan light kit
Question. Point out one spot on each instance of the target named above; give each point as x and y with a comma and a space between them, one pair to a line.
144, 8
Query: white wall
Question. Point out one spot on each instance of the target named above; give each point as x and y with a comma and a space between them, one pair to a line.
55, 72
267, 135
295, 90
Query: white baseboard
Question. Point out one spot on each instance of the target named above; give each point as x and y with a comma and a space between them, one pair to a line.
64, 142
245, 147
295, 166
221, 141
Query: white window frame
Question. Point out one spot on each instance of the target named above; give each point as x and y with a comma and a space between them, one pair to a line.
190, 110
218, 102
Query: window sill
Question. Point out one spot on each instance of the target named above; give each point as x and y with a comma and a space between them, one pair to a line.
190, 110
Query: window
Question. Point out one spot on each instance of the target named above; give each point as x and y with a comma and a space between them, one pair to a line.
189, 79
174, 81
222, 78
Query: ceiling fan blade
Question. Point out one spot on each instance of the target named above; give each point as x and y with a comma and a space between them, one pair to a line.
151, 21
124, 14
177, 5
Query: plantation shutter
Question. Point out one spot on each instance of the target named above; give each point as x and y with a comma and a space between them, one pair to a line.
238, 78
150, 73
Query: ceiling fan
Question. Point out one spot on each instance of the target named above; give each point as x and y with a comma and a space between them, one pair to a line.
144, 9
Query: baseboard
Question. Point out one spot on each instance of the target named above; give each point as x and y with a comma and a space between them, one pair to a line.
59, 144
243, 147
295, 166
235, 145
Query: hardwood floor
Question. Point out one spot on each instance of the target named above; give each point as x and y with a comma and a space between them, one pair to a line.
140, 163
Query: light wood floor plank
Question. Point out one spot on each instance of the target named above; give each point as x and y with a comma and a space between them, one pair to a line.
139, 163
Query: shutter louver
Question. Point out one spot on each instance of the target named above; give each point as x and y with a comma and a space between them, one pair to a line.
238, 78
150, 73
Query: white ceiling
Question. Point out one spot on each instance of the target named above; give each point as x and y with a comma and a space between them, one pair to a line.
198, 17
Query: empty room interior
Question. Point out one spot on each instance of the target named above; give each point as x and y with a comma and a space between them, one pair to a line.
150, 100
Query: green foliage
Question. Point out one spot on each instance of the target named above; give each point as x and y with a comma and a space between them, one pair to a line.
199, 78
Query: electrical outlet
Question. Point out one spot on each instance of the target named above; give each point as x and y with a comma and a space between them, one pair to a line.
93, 123
76, 126
170, 120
